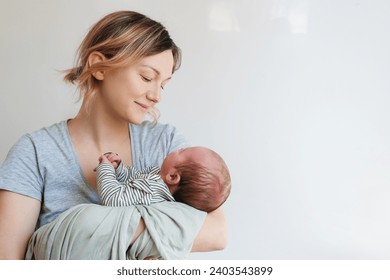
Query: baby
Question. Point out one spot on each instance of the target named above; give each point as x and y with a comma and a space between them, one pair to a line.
196, 176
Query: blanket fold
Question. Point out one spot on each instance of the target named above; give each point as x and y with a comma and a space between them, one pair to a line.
95, 232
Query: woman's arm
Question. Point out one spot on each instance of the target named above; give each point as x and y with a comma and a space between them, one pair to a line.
141, 227
18, 218
213, 234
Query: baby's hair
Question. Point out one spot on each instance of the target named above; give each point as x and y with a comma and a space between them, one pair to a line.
202, 188
122, 37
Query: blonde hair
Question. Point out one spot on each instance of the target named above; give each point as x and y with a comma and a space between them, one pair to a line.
122, 37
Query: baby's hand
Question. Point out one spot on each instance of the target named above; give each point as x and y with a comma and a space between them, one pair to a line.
113, 158
104, 159
110, 157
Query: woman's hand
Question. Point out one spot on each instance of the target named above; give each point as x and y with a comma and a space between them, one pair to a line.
18, 218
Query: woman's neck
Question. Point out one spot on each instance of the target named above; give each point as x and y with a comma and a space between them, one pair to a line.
98, 128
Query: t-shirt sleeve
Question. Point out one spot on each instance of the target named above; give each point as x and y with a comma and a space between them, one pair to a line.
20, 172
177, 140
151, 144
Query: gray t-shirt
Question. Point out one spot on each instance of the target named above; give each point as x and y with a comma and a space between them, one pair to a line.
43, 165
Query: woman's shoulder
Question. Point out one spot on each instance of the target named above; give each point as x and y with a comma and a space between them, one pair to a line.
151, 143
58, 128
47, 137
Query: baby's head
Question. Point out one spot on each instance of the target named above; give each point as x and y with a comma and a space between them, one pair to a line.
198, 177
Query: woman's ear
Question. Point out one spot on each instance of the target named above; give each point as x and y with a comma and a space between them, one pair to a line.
93, 58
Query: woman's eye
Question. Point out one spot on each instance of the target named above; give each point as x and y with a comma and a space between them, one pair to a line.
146, 79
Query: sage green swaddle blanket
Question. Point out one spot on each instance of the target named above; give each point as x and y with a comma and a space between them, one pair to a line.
95, 232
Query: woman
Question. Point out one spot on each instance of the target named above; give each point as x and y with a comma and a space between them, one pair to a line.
124, 63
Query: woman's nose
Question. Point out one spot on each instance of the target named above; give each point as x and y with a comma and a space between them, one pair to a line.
154, 95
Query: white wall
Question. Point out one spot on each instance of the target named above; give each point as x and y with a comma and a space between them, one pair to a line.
293, 93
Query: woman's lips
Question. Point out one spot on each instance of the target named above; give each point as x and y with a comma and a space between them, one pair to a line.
143, 106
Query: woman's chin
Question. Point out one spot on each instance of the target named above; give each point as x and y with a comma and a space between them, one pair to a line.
136, 119
137, 122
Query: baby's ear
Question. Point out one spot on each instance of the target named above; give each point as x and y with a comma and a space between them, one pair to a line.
172, 177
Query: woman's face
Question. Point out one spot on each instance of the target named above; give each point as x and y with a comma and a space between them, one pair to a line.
129, 92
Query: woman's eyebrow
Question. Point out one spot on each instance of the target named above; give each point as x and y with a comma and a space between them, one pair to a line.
151, 67
155, 70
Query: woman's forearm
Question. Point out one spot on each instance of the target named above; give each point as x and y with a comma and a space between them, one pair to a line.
139, 230
18, 217
213, 234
